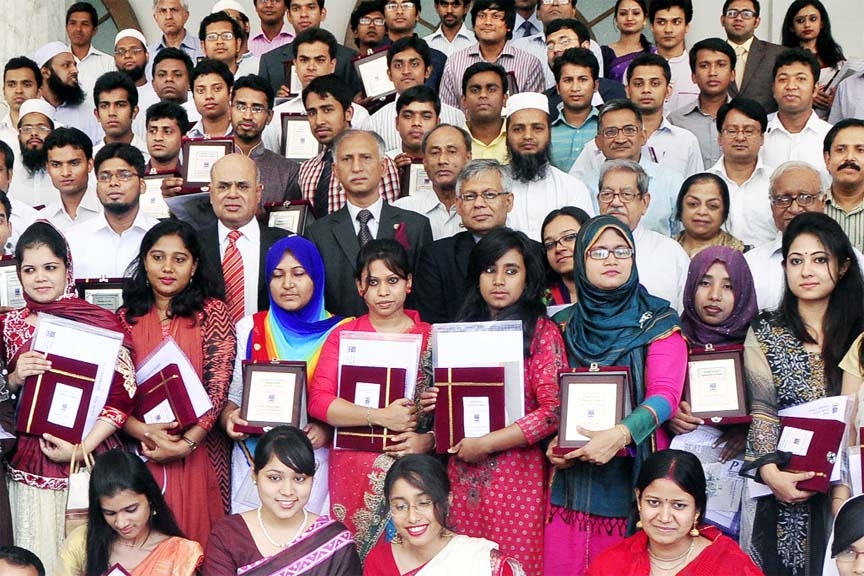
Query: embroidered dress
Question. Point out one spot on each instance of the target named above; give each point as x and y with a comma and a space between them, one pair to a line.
461, 555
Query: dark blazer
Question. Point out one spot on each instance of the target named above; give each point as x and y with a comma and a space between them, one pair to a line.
210, 244
439, 280
758, 81
337, 242
272, 66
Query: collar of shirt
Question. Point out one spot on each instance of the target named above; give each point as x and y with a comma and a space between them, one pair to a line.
428, 202
250, 232
474, 51
665, 126
245, 56
141, 222
261, 37
197, 131
776, 125
720, 169
92, 51
189, 42
685, 55
829, 199
89, 203
561, 120
746, 45
463, 32
532, 19
375, 209
256, 152
501, 135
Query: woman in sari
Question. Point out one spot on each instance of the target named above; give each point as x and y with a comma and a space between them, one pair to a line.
356, 476
418, 492
169, 295
128, 524
559, 231
671, 499
281, 537
630, 19
615, 322
792, 356
39, 468
294, 328
702, 208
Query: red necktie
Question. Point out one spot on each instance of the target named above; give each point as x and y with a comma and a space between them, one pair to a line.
232, 270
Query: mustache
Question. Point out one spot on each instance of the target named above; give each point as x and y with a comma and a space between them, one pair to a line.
849, 164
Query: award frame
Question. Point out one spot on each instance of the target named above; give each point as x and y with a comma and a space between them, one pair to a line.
735, 354
292, 215
292, 81
152, 202
617, 376
457, 384
512, 84
417, 181
362, 65
8, 282
283, 367
193, 166
117, 570
298, 126
94, 289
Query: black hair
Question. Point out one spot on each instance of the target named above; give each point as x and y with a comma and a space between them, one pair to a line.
466, 136
657, 5
211, 66
113, 472
83, 7
848, 527
138, 294
329, 85
479, 68
290, 445
19, 62
126, 152
174, 54
67, 136
258, 84
220, 16
618, 104
702, 178
41, 233
827, 49
388, 251
841, 125
319, 2
8, 155
7, 205
419, 93
529, 307
680, 467
172, 110
844, 317
21, 558
750, 108
506, 6
427, 474
756, 7
797, 56
312, 35
573, 24
643, 41
577, 57
648, 59
362, 9
713, 45
410, 43
112, 81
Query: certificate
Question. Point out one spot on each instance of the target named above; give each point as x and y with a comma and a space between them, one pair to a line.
105, 292
372, 70
470, 404
152, 202
294, 215
292, 80
169, 356
160, 414
11, 292
200, 155
272, 394
382, 350
592, 399
370, 387
366, 394
298, 141
715, 385
475, 414
418, 181
64, 405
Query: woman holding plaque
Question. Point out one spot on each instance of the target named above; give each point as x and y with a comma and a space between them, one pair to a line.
39, 467
170, 295
356, 476
559, 231
615, 322
792, 356
491, 472
294, 328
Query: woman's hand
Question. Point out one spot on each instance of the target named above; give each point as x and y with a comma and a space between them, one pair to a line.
429, 399
409, 443
162, 447
399, 416
231, 419
471, 450
30, 363
319, 434
57, 450
784, 485
735, 438
560, 462
684, 421
601, 447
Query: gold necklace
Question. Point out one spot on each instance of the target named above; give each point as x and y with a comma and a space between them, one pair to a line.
678, 560
133, 545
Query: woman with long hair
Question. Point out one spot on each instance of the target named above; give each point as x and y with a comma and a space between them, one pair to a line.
631, 17
170, 294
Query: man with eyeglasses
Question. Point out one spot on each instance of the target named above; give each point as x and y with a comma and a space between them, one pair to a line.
104, 245
221, 37
132, 60
741, 124
400, 19
367, 25
274, 33
661, 261
483, 199
171, 17
844, 158
31, 184
237, 12
755, 57
452, 34
116, 101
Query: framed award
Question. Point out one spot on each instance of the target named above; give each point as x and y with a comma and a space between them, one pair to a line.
272, 394
292, 80
199, 157
104, 292
293, 215
372, 70
11, 292
591, 399
298, 141
715, 387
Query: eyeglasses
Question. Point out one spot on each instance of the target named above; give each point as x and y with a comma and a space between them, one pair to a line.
488, 196
123, 52
745, 14
612, 131
256, 109
603, 253
367, 21
733, 132
214, 36
564, 242
394, 6
122, 175
402, 508
848, 556
563, 43
626, 195
28, 129
786, 200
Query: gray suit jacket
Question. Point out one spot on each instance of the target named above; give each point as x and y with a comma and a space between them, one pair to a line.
272, 66
758, 81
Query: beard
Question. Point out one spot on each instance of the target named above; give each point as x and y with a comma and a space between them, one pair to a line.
529, 167
73, 95
120, 209
34, 159
135, 74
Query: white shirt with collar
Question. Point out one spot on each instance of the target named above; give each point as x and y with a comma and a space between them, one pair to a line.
444, 222
675, 148
272, 135
34, 189
662, 265
532, 201
137, 142
464, 38
533, 19
146, 97
249, 245
197, 131
9, 133
780, 146
383, 122
373, 223
92, 66
22, 216
97, 250
80, 116
750, 219
55, 212
684, 90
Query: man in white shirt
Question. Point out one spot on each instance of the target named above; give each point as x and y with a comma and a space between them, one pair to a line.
538, 187
131, 58
18, 214
670, 22
21, 82
82, 23
211, 90
661, 261
105, 245
795, 132
32, 185
70, 162
741, 124
452, 34
116, 101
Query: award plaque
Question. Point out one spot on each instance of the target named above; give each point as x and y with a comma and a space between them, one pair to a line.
11, 292
591, 398
370, 387
512, 84
292, 81
272, 395
293, 215
372, 70
117, 570
417, 181
104, 292
715, 386
470, 404
152, 202
199, 157
298, 141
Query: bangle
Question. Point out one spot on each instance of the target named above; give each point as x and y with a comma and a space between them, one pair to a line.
368, 416
192, 444
434, 438
623, 430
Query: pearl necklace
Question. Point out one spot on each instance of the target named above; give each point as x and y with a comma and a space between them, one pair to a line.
271, 540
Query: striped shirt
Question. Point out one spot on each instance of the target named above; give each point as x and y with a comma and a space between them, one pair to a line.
527, 68
260, 44
310, 172
852, 222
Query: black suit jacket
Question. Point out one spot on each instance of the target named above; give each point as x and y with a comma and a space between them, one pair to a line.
337, 242
210, 243
439, 282
272, 66
758, 81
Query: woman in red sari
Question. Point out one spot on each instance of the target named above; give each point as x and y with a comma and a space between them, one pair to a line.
170, 295
671, 498
357, 477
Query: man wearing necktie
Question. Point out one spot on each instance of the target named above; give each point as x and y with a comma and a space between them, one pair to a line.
527, 23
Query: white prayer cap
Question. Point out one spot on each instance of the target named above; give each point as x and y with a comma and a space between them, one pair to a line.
525, 101
49, 51
228, 5
130, 33
36, 105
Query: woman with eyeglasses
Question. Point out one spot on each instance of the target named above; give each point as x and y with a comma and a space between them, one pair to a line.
559, 231
615, 322
702, 208
631, 17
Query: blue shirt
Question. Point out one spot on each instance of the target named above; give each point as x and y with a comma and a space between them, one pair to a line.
568, 140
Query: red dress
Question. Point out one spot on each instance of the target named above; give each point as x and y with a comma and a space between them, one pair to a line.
501, 498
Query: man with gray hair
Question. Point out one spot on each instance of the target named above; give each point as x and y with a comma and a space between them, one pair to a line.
483, 199
171, 17
359, 164
661, 261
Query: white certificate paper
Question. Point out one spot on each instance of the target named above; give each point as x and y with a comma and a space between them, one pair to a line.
271, 396
713, 385
285, 219
591, 406
419, 181
384, 351
110, 299
201, 159
795, 440
373, 73
64, 405
168, 352
300, 143
152, 202
367, 394
160, 413
11, 293
476, 416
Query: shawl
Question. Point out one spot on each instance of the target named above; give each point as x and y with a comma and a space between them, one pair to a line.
733, 329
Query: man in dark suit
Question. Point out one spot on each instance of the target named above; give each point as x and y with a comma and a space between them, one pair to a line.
483, 199
304, 14
359, 166
755, 58
235, 194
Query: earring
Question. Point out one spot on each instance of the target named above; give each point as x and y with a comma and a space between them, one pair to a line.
694, 532
397, 539
639, 524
